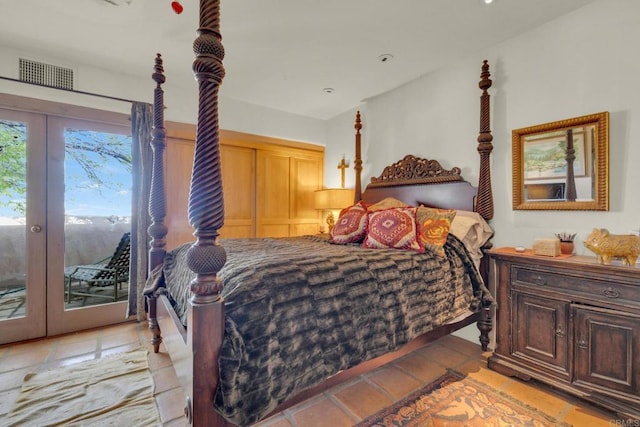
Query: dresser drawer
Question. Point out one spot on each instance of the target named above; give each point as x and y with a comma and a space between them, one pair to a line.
606, 288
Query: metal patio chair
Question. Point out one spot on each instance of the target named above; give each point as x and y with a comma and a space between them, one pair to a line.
111, 271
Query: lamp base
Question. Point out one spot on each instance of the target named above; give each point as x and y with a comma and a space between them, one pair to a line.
331, 221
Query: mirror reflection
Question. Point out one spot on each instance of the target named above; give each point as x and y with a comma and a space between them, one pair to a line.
562, 165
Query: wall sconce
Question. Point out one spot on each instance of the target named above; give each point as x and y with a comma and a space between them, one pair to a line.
332, 199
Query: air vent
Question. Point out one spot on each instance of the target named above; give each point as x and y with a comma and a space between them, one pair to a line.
46, 74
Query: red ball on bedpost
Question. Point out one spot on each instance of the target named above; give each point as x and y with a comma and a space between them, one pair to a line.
177, 7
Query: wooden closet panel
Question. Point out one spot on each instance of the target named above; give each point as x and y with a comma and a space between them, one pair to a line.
239, 188
179, 153
268, 184
273, 194
306, 177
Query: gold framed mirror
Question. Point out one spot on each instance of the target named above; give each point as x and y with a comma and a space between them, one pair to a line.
562, 165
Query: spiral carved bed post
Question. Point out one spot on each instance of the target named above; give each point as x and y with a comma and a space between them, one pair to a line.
357, 163
157, 200
206, 215
484, 201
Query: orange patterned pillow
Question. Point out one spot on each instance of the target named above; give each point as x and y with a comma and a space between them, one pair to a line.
433, 226
394, 228
351, 225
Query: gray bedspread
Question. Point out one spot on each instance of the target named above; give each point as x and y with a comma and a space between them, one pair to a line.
301, 309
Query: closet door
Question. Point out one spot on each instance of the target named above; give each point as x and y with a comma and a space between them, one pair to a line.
239, 188
306, 177
273, 194
286, 180
22, 226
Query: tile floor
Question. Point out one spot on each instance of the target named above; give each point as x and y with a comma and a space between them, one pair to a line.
343, 405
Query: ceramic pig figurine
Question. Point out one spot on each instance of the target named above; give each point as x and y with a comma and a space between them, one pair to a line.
607, 246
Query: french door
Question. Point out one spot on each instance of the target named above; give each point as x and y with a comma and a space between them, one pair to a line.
66, 203
22, 226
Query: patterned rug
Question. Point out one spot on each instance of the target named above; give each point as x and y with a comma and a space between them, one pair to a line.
454, 400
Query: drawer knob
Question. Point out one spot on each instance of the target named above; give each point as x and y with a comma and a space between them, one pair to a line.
582, 343
560, 332
540, 280
610, 293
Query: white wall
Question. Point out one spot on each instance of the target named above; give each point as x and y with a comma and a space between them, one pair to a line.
181, 101
582, 63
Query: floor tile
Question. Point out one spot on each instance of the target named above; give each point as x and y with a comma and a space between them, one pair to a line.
341, 406
592, 417
322, 413
420, 367
363, 399
394, 381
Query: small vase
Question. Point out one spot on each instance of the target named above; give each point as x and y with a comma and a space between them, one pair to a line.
566, 248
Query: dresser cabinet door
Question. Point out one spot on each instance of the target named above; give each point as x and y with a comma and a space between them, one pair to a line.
541, 332
607, 350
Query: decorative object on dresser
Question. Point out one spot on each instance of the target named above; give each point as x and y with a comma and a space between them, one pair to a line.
608, 246
571, 323
546, 247
566, 242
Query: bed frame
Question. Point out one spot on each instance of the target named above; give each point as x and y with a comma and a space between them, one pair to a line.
194, 351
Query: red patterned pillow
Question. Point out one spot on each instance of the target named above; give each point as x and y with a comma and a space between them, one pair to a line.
434, 225
394, 228
351, 225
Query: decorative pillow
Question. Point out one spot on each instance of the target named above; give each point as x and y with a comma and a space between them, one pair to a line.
394, 228
433, 226
351, 225
473, 231
388, 203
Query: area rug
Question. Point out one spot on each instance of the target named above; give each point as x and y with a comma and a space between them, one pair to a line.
112, 391
454, 400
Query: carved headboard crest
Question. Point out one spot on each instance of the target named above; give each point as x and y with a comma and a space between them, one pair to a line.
414, 170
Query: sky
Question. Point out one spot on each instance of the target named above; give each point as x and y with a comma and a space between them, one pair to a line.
82, 196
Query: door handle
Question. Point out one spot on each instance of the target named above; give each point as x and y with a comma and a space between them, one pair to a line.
36, 229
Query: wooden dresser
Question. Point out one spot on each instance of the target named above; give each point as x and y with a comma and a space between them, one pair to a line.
571, 323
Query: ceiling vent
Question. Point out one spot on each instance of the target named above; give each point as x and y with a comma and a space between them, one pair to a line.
45, 74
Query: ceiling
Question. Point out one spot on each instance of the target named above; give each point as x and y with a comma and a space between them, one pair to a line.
280, 54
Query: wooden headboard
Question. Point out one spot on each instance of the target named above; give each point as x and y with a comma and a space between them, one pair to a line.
418, 181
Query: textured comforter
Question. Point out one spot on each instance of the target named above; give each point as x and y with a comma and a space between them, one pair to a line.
301, 309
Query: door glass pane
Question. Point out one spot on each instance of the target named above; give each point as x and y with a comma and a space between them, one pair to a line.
97, 204
13, 202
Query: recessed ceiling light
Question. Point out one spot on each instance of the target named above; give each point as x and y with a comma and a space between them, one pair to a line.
328, 90
385, 57
487, 1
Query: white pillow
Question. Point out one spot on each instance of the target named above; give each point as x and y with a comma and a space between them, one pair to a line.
473, 231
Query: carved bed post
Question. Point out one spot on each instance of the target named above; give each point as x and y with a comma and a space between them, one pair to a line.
206, 215
357, 162
484, 203
157, 200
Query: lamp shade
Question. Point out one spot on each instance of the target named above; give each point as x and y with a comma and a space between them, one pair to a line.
333, 198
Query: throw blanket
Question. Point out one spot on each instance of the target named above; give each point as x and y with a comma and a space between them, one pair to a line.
301, 309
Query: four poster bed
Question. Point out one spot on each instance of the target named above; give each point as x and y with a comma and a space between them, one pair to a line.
256, 325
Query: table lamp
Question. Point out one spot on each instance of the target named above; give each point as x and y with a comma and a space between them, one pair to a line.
332, 199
